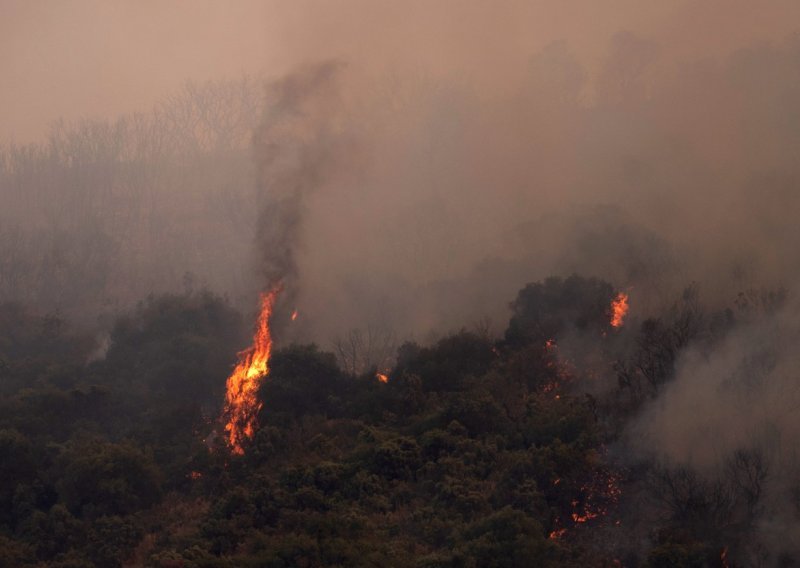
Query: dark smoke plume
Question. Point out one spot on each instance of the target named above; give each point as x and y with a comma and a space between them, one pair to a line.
296, 146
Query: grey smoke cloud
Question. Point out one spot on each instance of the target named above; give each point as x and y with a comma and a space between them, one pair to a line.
453, 159
297, 147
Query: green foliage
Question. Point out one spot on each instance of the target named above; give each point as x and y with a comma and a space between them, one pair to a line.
448, 363
36, 350
677, 548
176, 347
508, 538
473, 454
108, 479
15, 553
303, 380
544, 310
398, 458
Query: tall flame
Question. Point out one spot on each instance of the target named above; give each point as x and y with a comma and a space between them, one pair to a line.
241, 398
619, 309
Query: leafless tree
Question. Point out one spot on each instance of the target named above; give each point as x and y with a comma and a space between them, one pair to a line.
748, 470
105, 210
362, 350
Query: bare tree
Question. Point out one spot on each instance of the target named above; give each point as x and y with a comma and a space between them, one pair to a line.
748, 471
363, 350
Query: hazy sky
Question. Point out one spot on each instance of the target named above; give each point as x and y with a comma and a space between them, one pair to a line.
97, 58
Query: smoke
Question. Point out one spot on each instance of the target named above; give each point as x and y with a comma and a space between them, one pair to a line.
423, 202
729, 416
448, 163
646, 174
740, 393
298, 146
439, 158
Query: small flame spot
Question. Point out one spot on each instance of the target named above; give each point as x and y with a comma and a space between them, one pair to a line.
382, 378
556, 534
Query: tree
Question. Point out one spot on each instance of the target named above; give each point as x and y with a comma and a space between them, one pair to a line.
362, 351
108, 479
544, 310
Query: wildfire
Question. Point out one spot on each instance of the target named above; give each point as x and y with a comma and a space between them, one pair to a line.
593, 503
382, 377
241, 399
619, 309
294, 315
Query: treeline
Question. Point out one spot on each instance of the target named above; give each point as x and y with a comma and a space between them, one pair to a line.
104, 212
479, 451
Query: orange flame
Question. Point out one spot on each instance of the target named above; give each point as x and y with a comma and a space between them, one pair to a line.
619, 309
382, 378
294, 315
241, 399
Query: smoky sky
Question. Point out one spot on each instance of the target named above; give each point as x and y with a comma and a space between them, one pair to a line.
412, 165
459, 149
89, 58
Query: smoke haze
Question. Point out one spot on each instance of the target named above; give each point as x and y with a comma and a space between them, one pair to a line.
410, 166
471, 145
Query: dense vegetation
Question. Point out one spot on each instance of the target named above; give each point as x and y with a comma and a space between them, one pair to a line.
477, 452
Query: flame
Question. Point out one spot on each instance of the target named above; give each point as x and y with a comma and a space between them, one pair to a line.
619, 309
294, 315
241, 402
556, 534
382, 378
599, 495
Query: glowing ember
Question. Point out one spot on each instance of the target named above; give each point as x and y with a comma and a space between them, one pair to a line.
294, 315
598, 496
619, 308
241, 399
382, 378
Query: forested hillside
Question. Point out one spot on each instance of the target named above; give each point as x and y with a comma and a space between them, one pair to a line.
443, 287
477, 451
